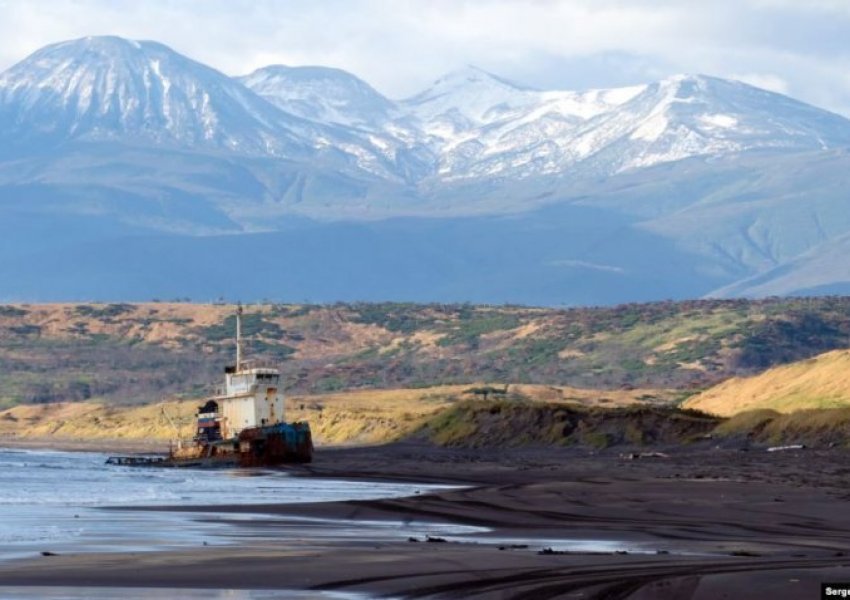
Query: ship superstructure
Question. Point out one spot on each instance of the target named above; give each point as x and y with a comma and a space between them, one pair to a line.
243, 423
251, 397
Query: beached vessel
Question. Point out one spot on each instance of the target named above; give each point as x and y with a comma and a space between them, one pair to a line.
242, 425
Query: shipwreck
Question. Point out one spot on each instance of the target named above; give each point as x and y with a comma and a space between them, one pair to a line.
242, 425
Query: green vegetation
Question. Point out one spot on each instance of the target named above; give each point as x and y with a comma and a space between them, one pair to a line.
40, 371
103, 312
271, 350
135, 353
253, 325
487, 390
506, 423
746, 423
393, 316
500, 423
817, 427
472, 324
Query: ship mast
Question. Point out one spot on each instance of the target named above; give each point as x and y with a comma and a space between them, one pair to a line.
239, 337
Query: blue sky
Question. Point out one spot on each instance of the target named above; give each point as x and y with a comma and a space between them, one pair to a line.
400, 46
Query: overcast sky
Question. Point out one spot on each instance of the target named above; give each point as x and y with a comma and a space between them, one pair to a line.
799, 47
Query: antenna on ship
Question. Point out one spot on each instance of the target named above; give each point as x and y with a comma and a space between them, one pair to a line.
238, 337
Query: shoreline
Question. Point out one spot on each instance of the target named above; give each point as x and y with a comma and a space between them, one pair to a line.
710, 522
102, 446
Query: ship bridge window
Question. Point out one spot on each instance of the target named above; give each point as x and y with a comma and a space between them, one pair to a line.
241, 380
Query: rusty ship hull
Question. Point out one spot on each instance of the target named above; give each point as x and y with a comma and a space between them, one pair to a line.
270, 446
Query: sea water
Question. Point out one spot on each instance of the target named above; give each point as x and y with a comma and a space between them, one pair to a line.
54, 502
65, 502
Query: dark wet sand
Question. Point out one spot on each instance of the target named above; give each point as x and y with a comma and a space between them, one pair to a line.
727, 524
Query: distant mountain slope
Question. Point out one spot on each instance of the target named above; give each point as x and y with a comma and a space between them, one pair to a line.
559, 255
321, 94
821, 270
819, 382
749, 214
697, 185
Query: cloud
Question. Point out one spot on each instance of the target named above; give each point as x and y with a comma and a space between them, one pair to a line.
400, 46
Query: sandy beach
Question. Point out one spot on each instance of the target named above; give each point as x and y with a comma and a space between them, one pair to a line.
697, 523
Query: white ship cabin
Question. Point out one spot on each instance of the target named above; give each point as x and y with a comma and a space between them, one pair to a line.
251, 398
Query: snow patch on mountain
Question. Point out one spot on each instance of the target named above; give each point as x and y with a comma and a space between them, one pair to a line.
481, 126
321, 94
108, 87
468, 126
476, 125
469, 96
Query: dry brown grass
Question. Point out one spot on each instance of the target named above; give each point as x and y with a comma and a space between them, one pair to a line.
153, 323
355, 417
817, 383
369, 416
91, 420
815, 427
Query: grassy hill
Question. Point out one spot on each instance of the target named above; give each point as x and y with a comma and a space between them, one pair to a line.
821, 428
125, 354
815, 383
505, 424
359, 417
458, 415
370, 373
500, 424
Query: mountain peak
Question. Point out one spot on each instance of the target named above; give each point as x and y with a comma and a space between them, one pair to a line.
102, 46
470, 124
475, 76
322, 94
100, 42
687, 77
468, 96
102, 87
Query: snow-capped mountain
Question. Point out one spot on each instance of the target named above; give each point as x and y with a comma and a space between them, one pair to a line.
477, 125
470, 97
113, 88
322, 94
386, 141
542, 196
483, 126
469, 125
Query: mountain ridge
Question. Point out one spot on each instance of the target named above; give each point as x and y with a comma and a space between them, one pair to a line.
109, 85
474, 124
696, 184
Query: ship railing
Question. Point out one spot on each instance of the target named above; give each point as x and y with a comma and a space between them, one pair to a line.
258, 363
